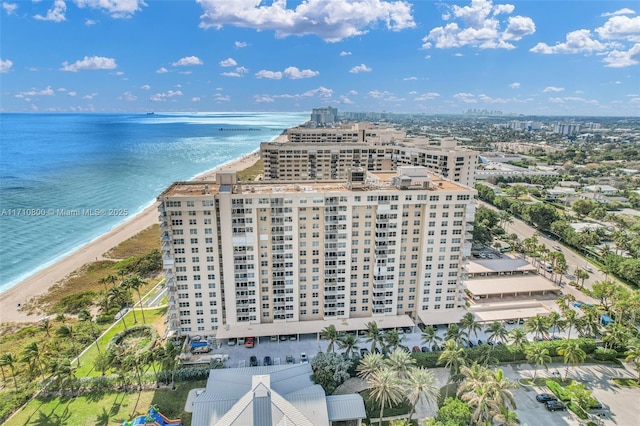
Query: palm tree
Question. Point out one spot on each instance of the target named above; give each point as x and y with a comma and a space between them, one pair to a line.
500, 389
615, 335
485, 355
420, 385
347, 342
453, 358
537, 355
469, 324
373, 335
62, 372
8, 359
369, 365
401, 362
45, 325
455, 333
85, 315
518, 339
581, 275
111, 278
633, 355
538, 325
331, 334
67, 331
570, 319
386, 389
572, 353
555, 322
430, 336
32, 355
497, 332
117, 296
505, 417
126, 286
135, 283
391, 339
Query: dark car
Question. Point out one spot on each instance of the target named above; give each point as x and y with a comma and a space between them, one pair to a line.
364, 352
424, 349
253, 361
290, 359
480, 342
416, 349
545, 397
555, 406
266, 360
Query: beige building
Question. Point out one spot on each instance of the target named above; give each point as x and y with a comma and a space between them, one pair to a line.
251, 257
328, 153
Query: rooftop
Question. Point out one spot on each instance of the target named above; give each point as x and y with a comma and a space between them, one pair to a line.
509, 285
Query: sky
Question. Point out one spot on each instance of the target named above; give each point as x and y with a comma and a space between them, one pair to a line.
535, 57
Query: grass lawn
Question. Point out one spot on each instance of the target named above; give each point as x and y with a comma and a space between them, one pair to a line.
153, 317
105, 408
143, 242
251, 172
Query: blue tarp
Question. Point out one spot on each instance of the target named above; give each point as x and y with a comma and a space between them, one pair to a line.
198, 344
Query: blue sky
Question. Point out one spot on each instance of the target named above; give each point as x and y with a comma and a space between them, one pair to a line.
530, 57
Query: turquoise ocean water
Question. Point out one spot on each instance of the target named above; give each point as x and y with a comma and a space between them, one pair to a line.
112, 165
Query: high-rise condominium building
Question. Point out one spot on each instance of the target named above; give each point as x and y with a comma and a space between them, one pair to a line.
326, 154
281, 257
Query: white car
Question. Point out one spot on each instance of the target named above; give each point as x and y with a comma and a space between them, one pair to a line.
304, 359
557, 248
588, 268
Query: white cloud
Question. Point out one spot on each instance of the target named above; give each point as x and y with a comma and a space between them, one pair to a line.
56, 13
346, 101
115, 8
410, 78
623, 11
466, 98
261, 99
34, 92
360, 68
9, 7
352, 92
187, 61
161, 97
129, 97
458, 55
239, 44
5, 65
620, 59
376, 94
294, 73
477, 25
331, 20
270, 75
195, 99
321, 92
185, 72
345, 53
428, 96
621, 28
90, 96
162, 70
89, 22
576, 42
221, 98
514, 85
239, 72
90, 63
552, 89
145, 87
229, 62
73, 94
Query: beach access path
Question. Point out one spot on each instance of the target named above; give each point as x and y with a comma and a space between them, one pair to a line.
40, 282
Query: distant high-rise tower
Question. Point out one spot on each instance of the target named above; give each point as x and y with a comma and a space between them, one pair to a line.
324, 116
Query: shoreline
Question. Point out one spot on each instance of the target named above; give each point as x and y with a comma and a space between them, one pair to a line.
41, 281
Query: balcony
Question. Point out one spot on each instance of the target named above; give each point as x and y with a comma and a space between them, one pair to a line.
161, 208
166, 237
166, 246
167, 263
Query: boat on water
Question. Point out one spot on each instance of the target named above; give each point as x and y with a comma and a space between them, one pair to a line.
150, 113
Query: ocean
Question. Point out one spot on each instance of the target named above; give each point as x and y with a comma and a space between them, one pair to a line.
66, 179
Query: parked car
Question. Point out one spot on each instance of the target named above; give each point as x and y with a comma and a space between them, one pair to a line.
249, 342
415, 349
546, 397
283, 337
267, 360
304, 359
364, 352
424, 349
274, 338
480, 342
253, 361
290, 359
293, 337
407, 330
555, 406
232, 342
240, 341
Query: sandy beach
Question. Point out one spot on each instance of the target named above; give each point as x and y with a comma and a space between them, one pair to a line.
40, 282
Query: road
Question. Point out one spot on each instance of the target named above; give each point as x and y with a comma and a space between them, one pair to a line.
523, 230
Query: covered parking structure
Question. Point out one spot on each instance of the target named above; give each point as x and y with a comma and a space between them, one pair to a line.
490, 312
533, 285
508, 266
297, 328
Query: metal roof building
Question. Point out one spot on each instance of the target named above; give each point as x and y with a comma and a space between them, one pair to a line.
272, 395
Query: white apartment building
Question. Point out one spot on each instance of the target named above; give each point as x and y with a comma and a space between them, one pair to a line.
326, 154
263, 258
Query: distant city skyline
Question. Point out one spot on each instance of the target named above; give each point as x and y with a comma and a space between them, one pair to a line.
519, 57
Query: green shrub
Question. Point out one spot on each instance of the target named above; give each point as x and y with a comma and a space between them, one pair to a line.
426, 359
74, 303
604, 354
558, 391
105, 319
